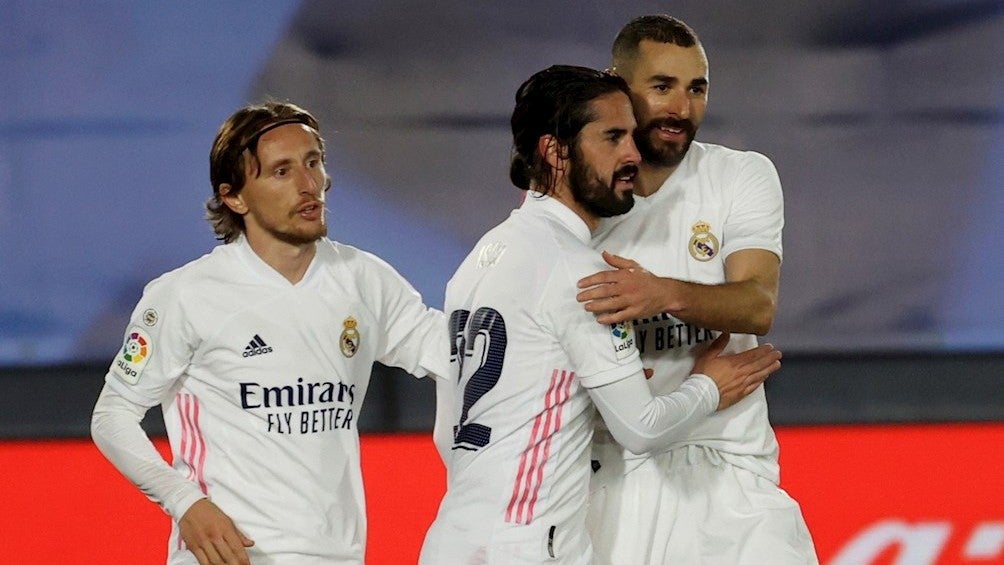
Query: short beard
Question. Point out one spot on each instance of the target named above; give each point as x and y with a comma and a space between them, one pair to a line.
659, 153
597, 197
301, 237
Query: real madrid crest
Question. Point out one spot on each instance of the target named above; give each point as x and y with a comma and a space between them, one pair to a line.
703, 245
349, 341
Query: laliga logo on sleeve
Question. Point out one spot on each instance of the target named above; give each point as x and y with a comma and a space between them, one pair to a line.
135, 353
622, 334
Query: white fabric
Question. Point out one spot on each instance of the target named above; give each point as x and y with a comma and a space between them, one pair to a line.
642, 422
692, 506
115, 427
521, 497
261, 383
653, 509
738, 195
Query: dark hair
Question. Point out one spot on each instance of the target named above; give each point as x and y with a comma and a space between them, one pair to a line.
660, 28
553, 101
236, 146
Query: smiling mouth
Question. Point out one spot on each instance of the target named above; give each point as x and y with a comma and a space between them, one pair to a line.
672, 128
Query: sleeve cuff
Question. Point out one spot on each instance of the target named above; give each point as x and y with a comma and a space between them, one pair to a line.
180, 502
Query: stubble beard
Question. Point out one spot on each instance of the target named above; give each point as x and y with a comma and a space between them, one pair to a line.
302, 235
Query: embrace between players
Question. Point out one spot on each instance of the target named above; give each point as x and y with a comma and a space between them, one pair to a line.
538, 330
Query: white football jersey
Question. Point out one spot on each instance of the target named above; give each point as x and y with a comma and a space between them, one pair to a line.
718, 201
262, 381
524, 351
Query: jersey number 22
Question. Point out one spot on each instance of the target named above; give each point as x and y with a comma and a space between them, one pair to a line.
477, 346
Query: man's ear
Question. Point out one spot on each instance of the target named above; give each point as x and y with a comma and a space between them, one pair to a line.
553, 152
234, 201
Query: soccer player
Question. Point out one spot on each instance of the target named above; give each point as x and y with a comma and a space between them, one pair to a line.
259, 354
514, 421
707, 221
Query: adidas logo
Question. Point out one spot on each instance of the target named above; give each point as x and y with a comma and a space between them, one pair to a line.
256, 346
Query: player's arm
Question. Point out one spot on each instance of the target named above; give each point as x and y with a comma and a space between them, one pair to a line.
209, 533
745, 303
412, 335
642, 422
442, 431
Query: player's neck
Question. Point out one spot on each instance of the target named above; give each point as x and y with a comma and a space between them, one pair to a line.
592, 220
290, 260
564, 195
650, 178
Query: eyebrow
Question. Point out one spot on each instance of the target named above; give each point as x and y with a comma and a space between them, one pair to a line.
313, 153
701, 81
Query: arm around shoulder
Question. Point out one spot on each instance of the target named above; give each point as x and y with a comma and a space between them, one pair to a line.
642, 422
744, 303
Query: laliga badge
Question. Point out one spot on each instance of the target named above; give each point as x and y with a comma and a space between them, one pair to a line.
622, 334
349, 340
134, 356
703, 245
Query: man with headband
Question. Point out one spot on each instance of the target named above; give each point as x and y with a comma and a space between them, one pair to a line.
259, 354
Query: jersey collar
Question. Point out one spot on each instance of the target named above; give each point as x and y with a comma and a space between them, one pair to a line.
264, 271
538, 203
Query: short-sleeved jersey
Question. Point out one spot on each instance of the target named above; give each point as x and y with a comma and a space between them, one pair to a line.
523, 353
261, 383
718, 201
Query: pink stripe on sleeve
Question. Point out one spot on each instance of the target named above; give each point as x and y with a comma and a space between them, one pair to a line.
193, 444
200, 467
180, 401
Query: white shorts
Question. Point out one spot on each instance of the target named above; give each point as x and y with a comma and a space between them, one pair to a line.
538, 543
689, 506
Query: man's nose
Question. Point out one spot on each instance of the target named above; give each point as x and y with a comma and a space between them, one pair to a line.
631, 154
309, 182
678, 105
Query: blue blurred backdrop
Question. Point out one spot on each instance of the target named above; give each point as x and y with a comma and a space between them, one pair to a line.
885, 123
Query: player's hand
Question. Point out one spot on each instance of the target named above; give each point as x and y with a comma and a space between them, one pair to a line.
627, 293
212, 536
736, 374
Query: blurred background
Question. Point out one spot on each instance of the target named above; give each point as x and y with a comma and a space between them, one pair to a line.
885, 122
